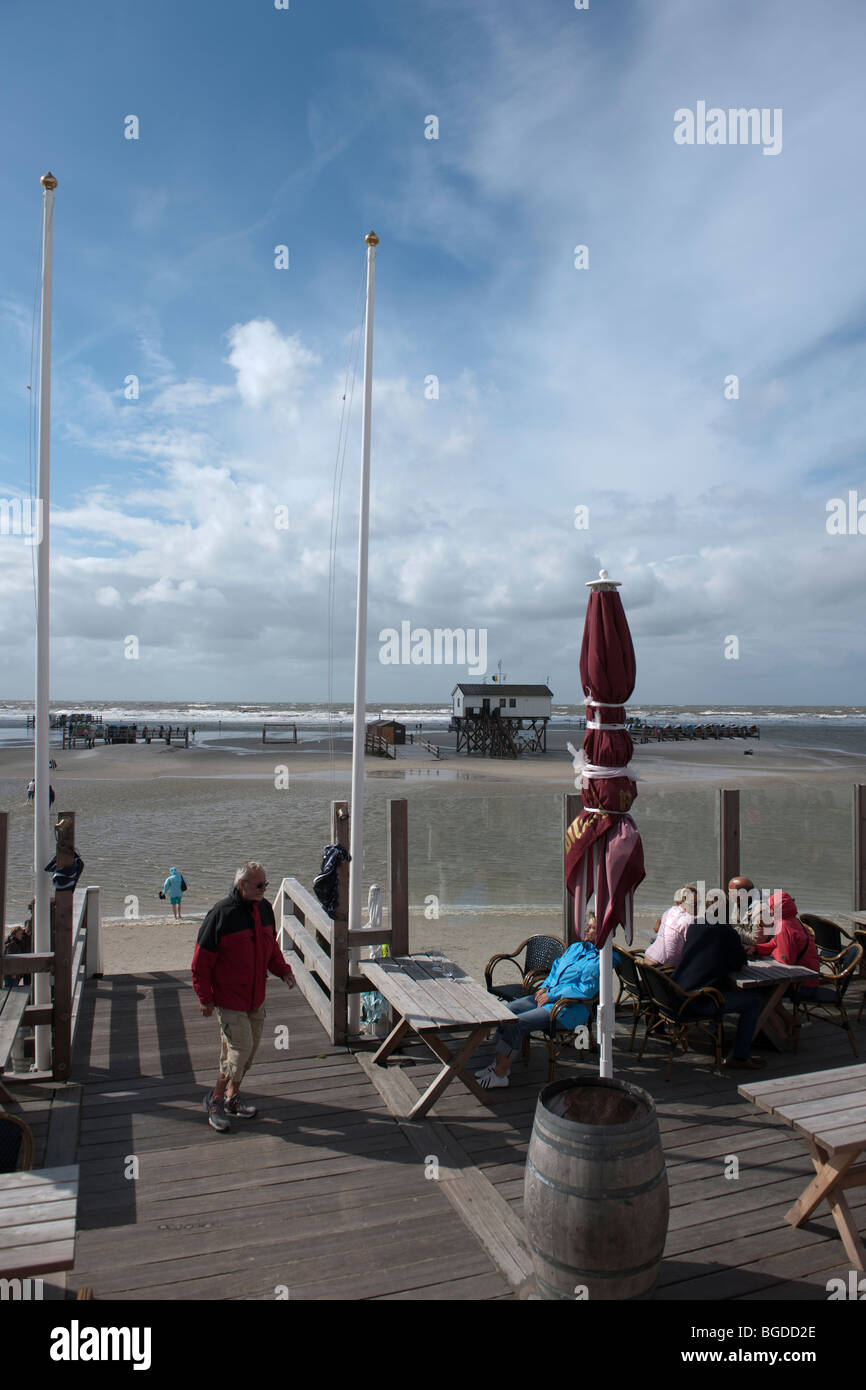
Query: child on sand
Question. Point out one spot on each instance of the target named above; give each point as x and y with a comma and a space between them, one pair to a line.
172, 889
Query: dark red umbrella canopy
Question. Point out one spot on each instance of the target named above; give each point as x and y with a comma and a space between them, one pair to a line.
603, 851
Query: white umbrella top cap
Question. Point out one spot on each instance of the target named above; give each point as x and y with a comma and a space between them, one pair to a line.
603, 582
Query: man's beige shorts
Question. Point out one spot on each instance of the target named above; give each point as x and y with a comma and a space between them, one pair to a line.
240, 1034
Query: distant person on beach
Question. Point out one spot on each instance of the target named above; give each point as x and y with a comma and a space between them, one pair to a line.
172, 889
235, 949
667, 949
574, 974
31, 789
713, 952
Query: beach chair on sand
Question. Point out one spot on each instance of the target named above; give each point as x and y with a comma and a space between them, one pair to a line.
678, 1013
828, 1002
541, 952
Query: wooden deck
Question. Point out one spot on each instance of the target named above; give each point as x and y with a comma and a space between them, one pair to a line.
327, 1194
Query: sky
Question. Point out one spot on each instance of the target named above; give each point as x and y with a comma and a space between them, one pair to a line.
679, 403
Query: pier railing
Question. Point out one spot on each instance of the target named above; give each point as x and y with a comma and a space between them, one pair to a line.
319, 946
375, 743
76, 956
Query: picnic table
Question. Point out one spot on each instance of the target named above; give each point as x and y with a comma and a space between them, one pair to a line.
833, 1127
37, 1221
775, 977
13, 1002
432, 996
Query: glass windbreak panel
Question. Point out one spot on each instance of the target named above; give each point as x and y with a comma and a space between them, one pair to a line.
678, 830
799, 838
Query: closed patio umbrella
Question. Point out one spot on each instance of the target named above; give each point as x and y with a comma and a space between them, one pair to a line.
603, 850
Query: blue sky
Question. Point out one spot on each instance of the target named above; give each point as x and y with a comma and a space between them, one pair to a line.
558, 387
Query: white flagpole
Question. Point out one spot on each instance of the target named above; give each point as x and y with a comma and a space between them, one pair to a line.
356, 821
42, 840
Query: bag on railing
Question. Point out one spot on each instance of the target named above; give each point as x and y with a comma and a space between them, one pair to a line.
325, 884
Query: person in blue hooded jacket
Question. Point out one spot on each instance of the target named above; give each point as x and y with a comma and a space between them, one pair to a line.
172, 889
573, 975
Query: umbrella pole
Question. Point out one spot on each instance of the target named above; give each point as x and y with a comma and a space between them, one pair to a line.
606, 1011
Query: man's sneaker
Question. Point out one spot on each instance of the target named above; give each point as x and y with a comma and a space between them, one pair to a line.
215, 1111
235, 1106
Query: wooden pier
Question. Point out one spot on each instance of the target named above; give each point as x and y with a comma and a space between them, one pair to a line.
332, 1194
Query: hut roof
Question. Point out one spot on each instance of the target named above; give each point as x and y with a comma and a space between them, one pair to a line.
503, 689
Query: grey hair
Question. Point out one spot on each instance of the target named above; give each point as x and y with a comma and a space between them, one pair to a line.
252, 866
682, 893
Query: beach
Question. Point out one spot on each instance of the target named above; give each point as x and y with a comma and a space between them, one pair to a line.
485, 835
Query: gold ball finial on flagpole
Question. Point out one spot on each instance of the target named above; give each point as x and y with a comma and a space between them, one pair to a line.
371, 239
48, 181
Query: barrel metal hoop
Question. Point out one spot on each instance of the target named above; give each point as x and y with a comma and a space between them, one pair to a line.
593, 1273
616, 1194
578, 1150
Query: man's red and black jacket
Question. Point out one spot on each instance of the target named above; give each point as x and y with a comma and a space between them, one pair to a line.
234, 953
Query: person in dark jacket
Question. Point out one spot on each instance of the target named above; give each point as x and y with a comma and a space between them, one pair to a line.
235, 949
19, 942
713, 953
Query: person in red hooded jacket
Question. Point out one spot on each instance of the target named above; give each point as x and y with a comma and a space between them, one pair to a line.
793, 944
235, 949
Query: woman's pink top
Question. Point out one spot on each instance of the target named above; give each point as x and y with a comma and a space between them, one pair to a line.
668, 945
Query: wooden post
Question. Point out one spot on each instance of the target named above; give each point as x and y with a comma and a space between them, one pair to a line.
729, 837
398, 875
572, 804
860, 848
4, 840
340, 938
65, 831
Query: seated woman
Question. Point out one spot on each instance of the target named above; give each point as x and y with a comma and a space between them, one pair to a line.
793, 944
575, 973
667, 948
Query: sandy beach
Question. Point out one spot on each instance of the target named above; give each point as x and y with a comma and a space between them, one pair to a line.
485, 835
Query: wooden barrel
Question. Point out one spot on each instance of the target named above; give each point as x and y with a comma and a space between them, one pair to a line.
595, 1191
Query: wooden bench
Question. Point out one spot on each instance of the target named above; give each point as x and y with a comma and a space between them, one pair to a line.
37, 1221
13, 1002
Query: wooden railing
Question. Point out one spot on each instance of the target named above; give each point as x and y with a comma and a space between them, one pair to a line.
318, 946
431, 747
375, 743
76, 955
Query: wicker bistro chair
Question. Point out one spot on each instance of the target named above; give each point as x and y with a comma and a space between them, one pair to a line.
16, 1144
632, 990
828, 1002
541, 952
860, 938
558, 1036
830, 938
675, 1015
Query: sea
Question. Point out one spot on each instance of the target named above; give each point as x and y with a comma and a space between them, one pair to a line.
482, 852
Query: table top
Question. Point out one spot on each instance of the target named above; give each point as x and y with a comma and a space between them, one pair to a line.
770, 972
431, 992
836, 1121
37, 1221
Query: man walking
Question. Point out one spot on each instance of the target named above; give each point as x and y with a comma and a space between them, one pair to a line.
235, 949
